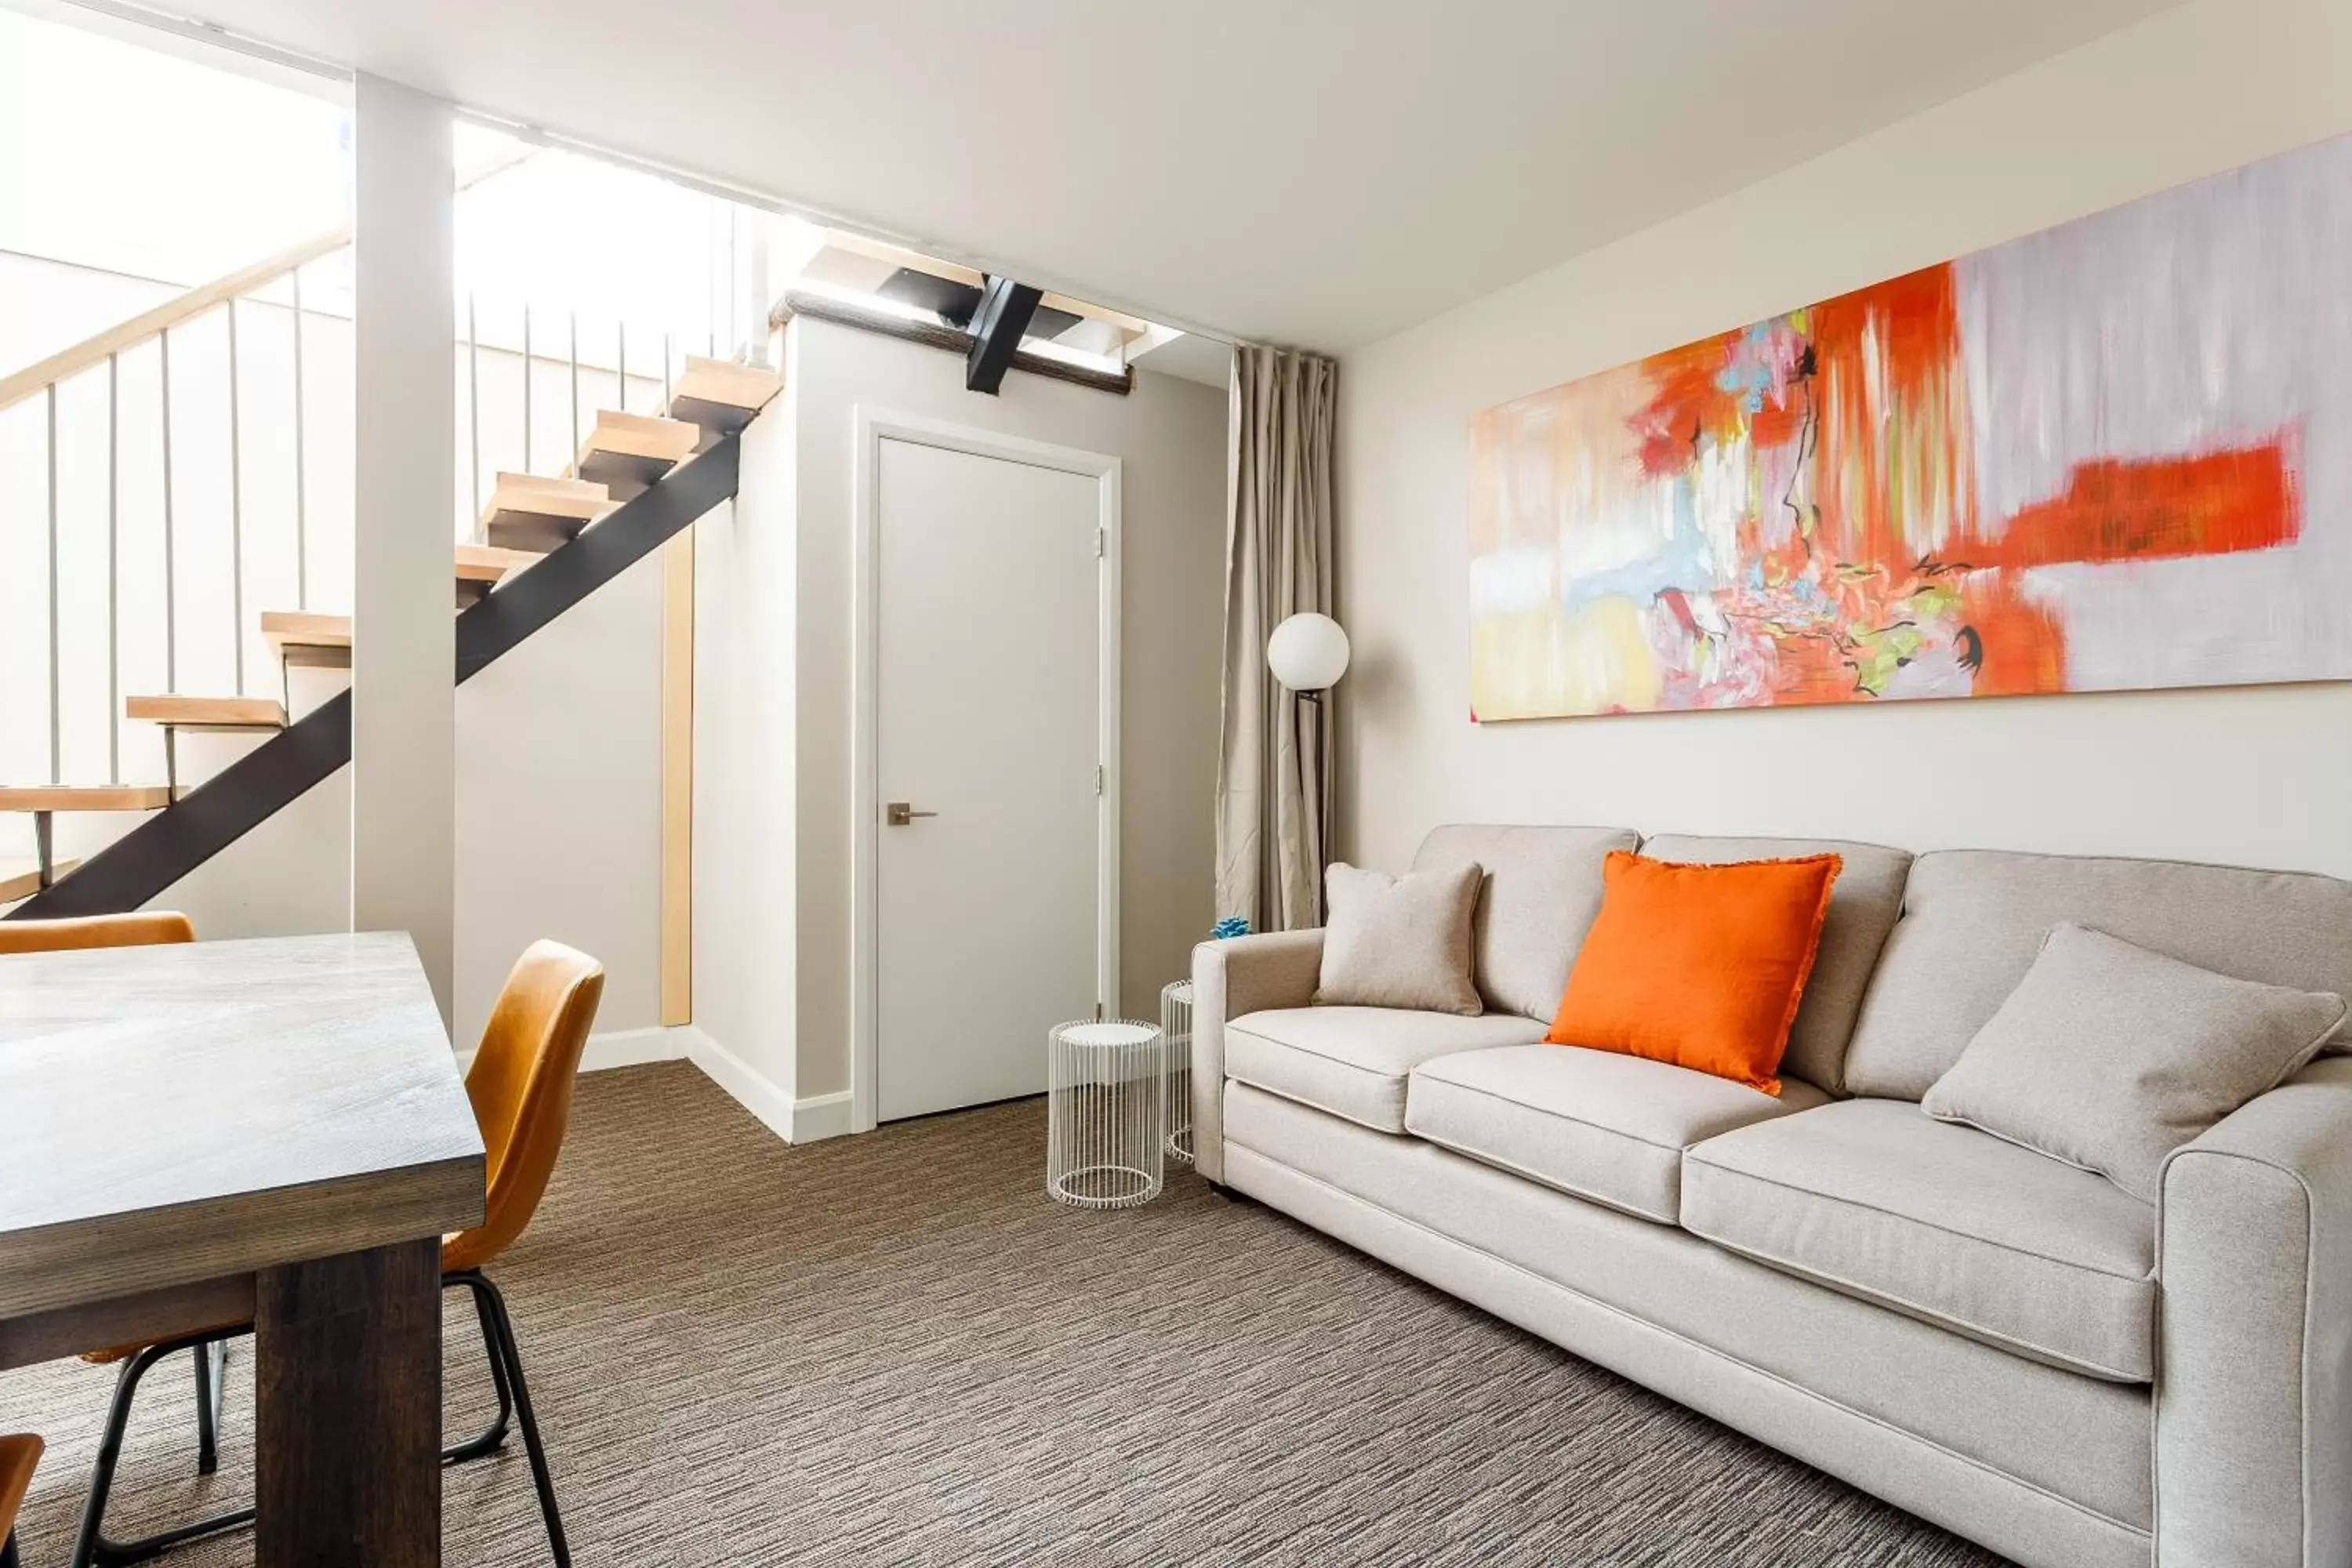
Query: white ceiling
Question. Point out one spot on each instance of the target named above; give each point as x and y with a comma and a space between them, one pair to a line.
1317, 175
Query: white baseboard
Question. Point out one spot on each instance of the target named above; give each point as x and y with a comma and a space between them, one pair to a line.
746, 1086
634, 1047
794, 1120
821, 1116
623, 1048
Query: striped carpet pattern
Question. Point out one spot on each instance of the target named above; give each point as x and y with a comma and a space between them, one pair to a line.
893, 1350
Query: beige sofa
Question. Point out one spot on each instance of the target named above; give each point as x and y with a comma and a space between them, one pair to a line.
2009, 1346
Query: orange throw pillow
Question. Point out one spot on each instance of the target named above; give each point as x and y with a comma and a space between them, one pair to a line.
1698, 965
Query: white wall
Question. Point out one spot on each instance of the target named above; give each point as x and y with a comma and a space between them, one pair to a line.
773, 715
2249, 775
559, 804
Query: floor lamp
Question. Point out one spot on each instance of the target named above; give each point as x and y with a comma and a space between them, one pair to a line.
1307, 654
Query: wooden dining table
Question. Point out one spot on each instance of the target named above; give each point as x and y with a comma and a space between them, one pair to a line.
269, 1131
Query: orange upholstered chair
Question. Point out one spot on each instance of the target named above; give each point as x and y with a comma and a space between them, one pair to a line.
18, 1455
520, 1086
142, 928
520, 1089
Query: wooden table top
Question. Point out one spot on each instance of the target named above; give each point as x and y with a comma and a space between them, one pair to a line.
182, 1114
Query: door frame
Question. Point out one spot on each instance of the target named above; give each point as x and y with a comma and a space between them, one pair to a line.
871, 427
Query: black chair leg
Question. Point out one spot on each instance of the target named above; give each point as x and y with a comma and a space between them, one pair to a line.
212, 1364
109, 1451
91, 1547
487, 1292
491, 1437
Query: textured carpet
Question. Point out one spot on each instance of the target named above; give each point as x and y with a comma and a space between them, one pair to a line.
893, 1350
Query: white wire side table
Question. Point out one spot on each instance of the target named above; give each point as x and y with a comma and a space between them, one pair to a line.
1105, 1113
1176, 1031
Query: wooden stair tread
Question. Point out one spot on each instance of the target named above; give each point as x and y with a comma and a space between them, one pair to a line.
304, 628
583, 499
647, 435
536, 515
489, 563
84, 798
18, 882
723, 381
207, 712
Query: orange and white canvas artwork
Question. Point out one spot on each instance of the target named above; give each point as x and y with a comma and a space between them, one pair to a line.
2116, 455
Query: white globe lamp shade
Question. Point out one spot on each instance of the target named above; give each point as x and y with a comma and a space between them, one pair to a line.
1307, 652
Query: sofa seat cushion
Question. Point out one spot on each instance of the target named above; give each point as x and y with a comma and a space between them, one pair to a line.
1948, 1223
1598, 1125
1352, 1062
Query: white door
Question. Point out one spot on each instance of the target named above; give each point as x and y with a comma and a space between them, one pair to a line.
988, 725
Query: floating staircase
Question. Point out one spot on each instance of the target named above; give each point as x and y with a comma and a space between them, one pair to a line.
638, 481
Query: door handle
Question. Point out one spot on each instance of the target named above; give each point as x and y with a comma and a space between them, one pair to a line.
900, 814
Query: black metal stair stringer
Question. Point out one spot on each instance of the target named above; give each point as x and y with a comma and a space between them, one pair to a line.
175, 841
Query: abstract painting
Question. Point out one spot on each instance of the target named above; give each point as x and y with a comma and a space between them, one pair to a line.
2113, 455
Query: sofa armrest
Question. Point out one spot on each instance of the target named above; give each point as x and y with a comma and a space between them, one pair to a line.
2253, 1397
1237, 975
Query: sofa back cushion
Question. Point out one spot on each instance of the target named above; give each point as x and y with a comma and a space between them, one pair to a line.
1864, 902
1974, 919
1542, 889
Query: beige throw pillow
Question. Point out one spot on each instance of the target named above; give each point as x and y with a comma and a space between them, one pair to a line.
1399, 942
2110, 1056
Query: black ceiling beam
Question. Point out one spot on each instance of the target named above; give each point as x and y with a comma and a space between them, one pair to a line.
1006, 310
939, 335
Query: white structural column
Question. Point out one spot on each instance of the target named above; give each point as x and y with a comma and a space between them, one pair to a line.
404, 654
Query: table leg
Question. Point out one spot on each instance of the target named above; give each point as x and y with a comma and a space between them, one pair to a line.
348, 1430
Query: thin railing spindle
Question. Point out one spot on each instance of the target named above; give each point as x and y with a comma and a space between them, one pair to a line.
667, 349
621, 352
710, 284
57, 729
474, 408
113, 573
171, 564
236, 508
301, 485
575, 378
526, 386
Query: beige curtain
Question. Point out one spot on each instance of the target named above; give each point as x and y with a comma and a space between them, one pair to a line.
1273, 778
